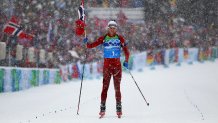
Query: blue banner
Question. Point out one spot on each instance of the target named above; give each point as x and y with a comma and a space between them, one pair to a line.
8, 80
45, 77
173, 55
16, 77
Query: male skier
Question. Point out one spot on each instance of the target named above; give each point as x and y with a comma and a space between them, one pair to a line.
112, 44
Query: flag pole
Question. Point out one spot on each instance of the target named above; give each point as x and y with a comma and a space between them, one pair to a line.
82, 70
9, 52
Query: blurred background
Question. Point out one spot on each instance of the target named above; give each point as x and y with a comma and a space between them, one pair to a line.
145, 25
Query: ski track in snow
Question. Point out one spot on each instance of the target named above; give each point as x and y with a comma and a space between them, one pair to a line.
194, 105
178, 94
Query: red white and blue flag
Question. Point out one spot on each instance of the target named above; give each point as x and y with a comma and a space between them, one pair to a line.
80, 23
12, 28
81, 12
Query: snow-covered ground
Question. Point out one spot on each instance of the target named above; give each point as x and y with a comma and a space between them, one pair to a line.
178, 94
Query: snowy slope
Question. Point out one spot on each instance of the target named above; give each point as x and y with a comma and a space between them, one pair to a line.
185, 94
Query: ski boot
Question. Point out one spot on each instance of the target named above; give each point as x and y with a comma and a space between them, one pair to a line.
119, 109
102, 110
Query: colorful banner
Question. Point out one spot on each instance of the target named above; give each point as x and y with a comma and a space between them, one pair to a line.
159, 57
210, 53
201, 55
57, 77
96, 73
166, 57
186, 55
16, 77
25, 82
64, 72
45, 76
8, 80
100, 66
173, 55
193, 54
54, 76
2, 74
214, 53
180, 55
41, 77
150, 58
130, 62
86, 73
34, 78
207, 53
217, 52
139, 61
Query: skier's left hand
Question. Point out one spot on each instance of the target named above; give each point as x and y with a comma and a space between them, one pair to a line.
85, 40
125, 64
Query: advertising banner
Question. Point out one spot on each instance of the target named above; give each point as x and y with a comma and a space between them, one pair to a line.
139, 61
180, 55
64, 72
201, 55
186, 55
214, 53
159, 57
52, 76
8, 80
41, 77
193, 54
173, 55
16, 79
96, 73
2, 74
166, 57
46, 76
150, 58
25, 84
57, 77
34, 78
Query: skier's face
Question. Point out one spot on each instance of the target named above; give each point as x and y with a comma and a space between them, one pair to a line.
112, 30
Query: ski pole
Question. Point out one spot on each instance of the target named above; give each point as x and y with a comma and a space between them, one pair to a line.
81, 85
138, 87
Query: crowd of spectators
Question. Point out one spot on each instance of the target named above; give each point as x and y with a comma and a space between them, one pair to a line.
36, 16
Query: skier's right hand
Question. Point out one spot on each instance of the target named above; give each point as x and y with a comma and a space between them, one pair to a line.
85, 40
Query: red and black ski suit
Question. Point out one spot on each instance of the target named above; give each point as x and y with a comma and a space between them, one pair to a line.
112, 66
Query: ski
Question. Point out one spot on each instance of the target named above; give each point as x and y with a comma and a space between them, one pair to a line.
101, 115
119, 114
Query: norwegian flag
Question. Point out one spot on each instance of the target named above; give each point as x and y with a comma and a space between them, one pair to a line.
81, 12
80, 23
14, 29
